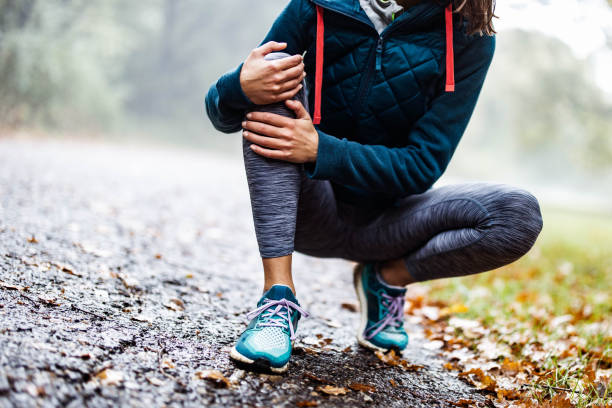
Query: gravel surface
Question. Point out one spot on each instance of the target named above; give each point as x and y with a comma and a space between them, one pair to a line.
125, 274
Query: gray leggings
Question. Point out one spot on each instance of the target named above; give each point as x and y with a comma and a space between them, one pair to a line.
448, 231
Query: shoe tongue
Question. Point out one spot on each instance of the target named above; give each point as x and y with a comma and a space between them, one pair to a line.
278, 292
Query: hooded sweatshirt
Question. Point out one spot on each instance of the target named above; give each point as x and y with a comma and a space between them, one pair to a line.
388, 127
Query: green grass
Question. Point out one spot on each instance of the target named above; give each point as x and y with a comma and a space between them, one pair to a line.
568, 271
568, 275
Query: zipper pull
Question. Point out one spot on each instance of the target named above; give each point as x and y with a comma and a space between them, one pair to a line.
379, 48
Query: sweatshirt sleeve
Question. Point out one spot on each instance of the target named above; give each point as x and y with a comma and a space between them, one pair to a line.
411, 169
226, 102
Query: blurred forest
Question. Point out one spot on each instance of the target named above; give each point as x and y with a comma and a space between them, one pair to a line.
142, 69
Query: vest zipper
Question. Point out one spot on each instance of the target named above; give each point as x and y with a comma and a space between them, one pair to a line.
372, 66
379, 48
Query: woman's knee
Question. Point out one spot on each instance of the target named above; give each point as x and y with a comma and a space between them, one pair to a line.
516, 221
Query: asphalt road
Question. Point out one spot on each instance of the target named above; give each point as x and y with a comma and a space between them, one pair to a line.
125, 274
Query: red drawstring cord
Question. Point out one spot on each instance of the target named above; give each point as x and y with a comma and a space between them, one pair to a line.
319, 66
450, 58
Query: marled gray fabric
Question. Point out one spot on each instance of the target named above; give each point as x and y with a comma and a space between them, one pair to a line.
274, 187
448, 231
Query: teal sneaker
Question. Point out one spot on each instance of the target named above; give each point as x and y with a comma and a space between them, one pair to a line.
382, 311
267, 341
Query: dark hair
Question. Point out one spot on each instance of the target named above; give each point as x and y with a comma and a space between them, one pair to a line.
478, 14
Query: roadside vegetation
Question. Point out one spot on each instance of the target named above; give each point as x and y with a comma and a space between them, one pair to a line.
537, 332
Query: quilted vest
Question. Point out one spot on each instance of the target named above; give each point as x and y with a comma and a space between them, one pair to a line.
373, 80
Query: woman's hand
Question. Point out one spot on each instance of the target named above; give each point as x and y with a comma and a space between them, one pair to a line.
278, 137
264, 81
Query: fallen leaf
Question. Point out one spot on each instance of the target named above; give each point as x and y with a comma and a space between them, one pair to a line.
393, 382
155, 381
127, 281
590, 372
48, 300
8, 286
331, 390
508, 394
307, 350
558, 401
110, 377
483, 382
214, 376
464, 403
310, 340
237, 376
271, 377
313, 377
32, 240
167, 363
393, 359
454, 309
332, 323
142, 318
361, 387
307, 403
175, 304
510, 367
450, 366
390, 358
350, 306
66, 269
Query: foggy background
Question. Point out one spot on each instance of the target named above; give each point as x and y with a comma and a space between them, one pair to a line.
138, 72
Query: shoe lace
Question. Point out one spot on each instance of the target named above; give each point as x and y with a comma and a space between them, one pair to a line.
394, 315
277, 313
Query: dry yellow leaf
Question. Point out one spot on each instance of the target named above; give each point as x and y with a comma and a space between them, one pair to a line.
110, 377
214, 376
331, 390
454, 309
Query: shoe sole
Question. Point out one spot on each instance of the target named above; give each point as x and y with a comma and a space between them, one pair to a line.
363, 307
260, 364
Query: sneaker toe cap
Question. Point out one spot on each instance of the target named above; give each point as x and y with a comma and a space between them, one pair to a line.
389, 340
268, 346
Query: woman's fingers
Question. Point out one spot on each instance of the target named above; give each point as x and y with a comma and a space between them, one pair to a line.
270, 118
289, 94
286, 63
269, 47
291, 73
271, 154
263, 129
291, 84
270, 142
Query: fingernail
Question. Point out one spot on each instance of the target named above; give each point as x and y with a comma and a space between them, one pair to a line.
248, 116
245, 133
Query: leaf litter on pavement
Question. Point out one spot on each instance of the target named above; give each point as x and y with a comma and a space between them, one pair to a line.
536, 333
